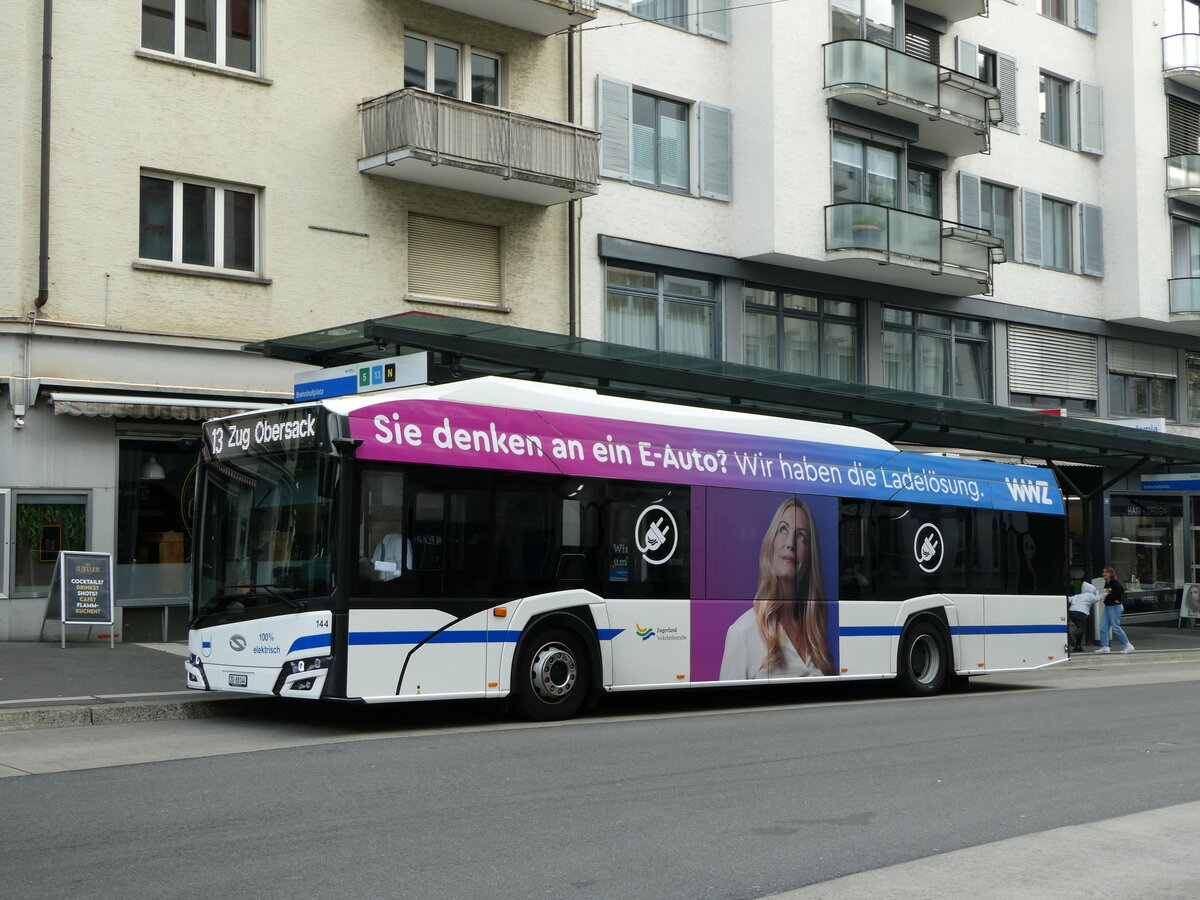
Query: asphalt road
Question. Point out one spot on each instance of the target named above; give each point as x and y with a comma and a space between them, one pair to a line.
723, 795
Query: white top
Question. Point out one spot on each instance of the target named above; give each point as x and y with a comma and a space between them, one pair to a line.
1082, 602
392, 556
746, 655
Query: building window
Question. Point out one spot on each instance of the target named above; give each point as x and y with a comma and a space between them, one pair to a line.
1055, 110
456, 262
451, 69
1193, 393
996, 213
707, 17
660, 142
865, 172
1053, 9
1182, 17
1141, 379
661, 311
43, 525
934, 354
194, 223
1056, 235
871, 20
797, 333
221, 32
924, 191
154, 523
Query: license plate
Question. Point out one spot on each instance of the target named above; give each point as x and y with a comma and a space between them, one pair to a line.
238, 680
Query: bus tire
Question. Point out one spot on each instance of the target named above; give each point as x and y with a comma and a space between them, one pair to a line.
552, 675
924, 663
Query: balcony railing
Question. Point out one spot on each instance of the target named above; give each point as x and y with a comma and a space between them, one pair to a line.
538, 16
1185, 296
1183, 178
1181, 58
477, 148
953, 111
901, 235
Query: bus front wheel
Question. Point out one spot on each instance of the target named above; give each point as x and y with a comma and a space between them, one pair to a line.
552, 675
924, 662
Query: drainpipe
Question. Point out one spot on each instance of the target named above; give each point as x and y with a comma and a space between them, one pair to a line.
44, 207
572, 206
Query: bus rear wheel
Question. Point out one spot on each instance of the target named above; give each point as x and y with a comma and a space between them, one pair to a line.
924, 662
552, 675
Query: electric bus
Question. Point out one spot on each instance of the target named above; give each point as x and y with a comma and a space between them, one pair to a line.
494, 538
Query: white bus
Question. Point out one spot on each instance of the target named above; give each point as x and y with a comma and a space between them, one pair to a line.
502, 538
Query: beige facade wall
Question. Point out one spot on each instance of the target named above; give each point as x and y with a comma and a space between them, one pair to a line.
294, 134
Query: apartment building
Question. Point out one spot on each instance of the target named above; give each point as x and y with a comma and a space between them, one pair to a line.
981, 200
185, 177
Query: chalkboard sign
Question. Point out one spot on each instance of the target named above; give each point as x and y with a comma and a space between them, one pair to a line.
82, 589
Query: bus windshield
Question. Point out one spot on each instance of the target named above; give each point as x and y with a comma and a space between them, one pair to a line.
267, 527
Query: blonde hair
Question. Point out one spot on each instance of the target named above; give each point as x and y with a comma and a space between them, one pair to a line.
775, 608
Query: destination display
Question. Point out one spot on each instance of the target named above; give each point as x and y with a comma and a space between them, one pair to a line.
284, 431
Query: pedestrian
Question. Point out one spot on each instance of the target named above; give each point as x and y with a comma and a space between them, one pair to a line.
1114, 605
1079, 606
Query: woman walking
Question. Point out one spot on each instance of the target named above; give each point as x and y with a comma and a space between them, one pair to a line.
1114, 605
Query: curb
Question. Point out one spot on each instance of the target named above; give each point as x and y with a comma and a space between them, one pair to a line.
73, 716
1118, 658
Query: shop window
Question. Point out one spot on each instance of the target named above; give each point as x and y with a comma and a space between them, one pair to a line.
154, 519
1146, 550
43, 525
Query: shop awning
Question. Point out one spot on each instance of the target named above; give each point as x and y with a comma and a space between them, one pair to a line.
146, 406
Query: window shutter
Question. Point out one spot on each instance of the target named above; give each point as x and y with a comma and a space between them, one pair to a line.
922, 43
1091, 230
1085, 15
714, 19
614, 105
1006, 81
1142, 359
966, 57
453, 260
1056, 363
1031, 226
1091, 117
715, 152
1183, 126
968, 199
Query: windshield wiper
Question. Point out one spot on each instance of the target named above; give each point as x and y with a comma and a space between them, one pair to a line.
246, 590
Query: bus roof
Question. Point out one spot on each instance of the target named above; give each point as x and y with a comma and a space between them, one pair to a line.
512, 393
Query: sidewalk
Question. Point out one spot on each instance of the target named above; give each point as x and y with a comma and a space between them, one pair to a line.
44, 686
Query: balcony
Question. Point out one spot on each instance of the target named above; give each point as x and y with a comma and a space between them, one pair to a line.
1185, 296
426, 138
543, 17
954, 112
876, 243
954, 10
1181, 59
1183, 178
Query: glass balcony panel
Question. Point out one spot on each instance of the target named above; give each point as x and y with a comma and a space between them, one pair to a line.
965, 255
912, 78
1183, 172
856, 226
1185, 295
856, 62
1181, 51
964, 103
913, 235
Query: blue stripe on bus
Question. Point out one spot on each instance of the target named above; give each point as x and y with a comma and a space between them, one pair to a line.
377, 638
1009, 629
895, 630
310, 642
